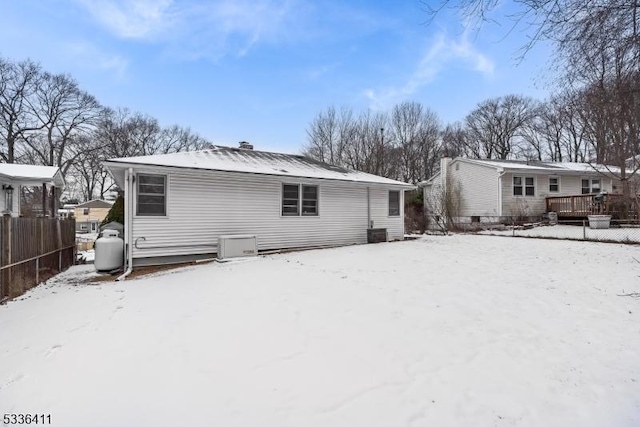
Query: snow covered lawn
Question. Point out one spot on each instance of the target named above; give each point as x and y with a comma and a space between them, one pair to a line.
443, 331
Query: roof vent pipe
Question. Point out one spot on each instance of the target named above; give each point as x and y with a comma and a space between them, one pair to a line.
244, 145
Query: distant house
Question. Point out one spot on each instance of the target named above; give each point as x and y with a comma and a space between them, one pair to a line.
90, 214
178, 205
13, 177
498, 190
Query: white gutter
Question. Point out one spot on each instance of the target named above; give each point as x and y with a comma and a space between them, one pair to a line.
128, 200
500, 175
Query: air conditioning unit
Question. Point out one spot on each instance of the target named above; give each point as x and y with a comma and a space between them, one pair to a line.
240, 245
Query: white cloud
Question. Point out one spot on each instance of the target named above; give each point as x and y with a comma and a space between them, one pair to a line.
440, 54
197, 28
135, 19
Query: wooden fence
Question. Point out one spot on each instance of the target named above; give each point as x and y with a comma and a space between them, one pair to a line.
33, 250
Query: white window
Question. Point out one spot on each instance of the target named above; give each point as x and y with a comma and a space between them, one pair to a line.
299, 199
591, 186
394, 203
309, 200
524, 185
152, 195
554, 184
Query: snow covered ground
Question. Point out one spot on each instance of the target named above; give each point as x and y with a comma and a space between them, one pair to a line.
460, 330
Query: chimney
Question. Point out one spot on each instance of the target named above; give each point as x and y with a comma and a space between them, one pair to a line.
444, 167
244, 145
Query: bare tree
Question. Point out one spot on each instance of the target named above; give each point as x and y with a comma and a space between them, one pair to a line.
415, 131
65, 114
455, 141
18, 84
444, 203
496, 124
328, 134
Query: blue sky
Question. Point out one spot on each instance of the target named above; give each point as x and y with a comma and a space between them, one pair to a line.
260, 70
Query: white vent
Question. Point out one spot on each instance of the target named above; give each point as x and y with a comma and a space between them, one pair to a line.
237, 246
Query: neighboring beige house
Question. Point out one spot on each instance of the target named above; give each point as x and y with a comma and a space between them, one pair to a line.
90, 214
498, 190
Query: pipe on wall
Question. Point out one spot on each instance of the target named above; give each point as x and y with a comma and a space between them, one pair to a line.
128, 219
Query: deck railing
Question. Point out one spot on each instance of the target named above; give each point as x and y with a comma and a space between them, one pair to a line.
572, 206
586, 204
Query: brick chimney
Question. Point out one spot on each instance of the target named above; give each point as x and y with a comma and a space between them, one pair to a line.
244, 145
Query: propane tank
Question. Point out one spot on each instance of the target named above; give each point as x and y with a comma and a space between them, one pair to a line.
109, 251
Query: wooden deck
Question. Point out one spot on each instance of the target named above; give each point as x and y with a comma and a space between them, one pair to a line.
581, 206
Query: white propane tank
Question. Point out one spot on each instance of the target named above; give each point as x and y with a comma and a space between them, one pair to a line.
109, 251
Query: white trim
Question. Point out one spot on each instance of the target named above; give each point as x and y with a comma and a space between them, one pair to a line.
524, 185
166, 195
559, 190
389, 204
300, 200
591, 180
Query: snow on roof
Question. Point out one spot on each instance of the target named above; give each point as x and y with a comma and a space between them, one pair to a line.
95, 203
258, 162
546, 166
48, 174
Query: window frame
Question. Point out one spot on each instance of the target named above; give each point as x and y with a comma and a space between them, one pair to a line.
523, 185
300, 200
389, 213
165, 194
557, 184
591, 187
282, 199
86, 211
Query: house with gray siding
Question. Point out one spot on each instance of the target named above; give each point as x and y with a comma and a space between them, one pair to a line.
499, 190
178, 205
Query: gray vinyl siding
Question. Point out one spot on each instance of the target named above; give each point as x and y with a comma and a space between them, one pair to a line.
479, 188
570, 185
204, 205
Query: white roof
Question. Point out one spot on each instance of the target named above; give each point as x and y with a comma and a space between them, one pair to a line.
251, 161
32, 174
534, 166
541, 166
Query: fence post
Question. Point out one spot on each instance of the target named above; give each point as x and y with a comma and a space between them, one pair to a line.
6, 257
584, 230
38, 271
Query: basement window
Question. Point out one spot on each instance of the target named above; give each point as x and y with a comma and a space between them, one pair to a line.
394, 203
152, 195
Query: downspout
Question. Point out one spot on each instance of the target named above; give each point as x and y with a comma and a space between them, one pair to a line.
369, 224
128, 198
500, 175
